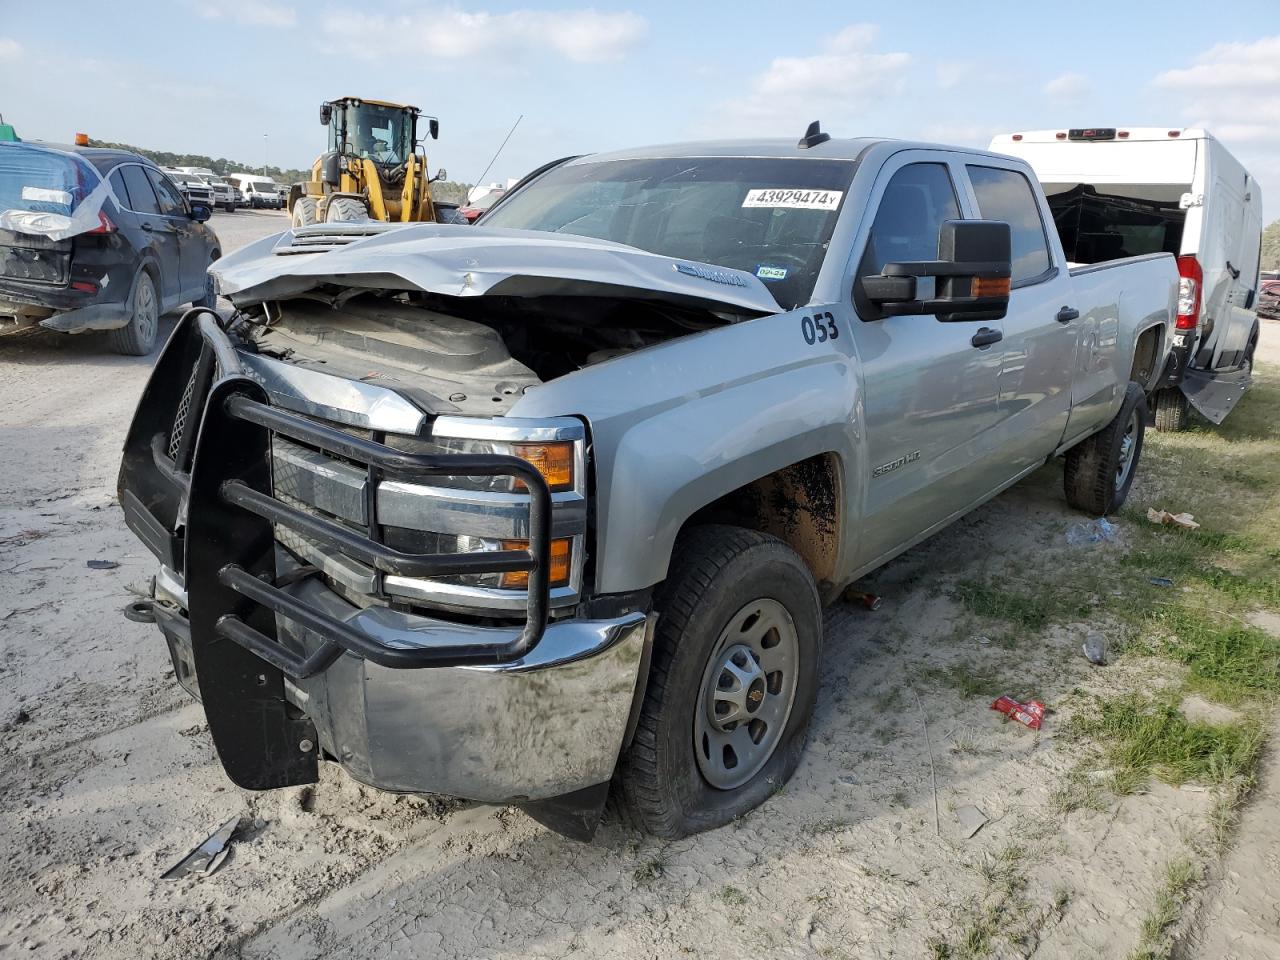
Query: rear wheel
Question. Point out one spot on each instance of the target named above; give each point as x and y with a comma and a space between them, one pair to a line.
304, 212
1100, 470
346, 210
732, 684
138, 336
1170, 410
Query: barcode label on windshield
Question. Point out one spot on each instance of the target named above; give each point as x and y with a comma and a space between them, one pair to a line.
795, 199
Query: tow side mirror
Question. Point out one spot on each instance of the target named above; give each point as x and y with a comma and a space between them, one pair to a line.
440, 175
433, 127
200, 213
326, 114
972, 272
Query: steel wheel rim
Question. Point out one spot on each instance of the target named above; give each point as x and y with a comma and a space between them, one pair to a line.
144, 310
1128, 444
747, 692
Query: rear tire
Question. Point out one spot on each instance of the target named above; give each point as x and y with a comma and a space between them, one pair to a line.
1170, 410
304, 212
739, 616
1100, 470
138, 336
346, 210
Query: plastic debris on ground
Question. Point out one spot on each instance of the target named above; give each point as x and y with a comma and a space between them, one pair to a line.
971, 820
1184, 520
206, 858
1095, 648
1029, 714
871, 601
101, 564
1160, 581
1101, 530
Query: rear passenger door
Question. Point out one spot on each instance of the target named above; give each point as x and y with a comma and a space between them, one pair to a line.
1042, 327
929, 393
160, 239
193, 253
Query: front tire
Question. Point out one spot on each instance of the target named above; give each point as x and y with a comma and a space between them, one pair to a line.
346, 210
732, 685
1171, 410
1100, 470
138, 336
305, 212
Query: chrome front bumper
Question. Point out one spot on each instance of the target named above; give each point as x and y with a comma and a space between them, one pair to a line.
548, 724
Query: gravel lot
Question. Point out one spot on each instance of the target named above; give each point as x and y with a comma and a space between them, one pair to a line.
107, 775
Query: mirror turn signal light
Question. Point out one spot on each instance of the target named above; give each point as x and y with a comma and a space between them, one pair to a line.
989, 287
561, 552
553, 460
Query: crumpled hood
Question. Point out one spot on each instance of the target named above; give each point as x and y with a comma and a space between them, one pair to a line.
466, 261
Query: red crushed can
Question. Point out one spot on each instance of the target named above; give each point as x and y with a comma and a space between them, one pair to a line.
1029, 714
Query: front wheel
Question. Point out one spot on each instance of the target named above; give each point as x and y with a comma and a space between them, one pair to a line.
1100, 470
304, 212
346, 210
732, 684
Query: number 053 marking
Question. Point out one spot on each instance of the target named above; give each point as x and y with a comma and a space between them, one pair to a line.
819, 328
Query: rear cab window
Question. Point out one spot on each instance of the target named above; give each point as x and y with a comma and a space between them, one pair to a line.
1007, 195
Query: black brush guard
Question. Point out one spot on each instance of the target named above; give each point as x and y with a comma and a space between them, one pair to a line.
229, 549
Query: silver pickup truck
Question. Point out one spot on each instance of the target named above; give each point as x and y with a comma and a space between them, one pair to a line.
532, 510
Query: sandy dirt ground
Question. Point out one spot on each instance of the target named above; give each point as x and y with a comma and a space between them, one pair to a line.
107, 774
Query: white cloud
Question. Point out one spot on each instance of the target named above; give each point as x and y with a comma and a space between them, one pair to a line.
10, 49
1233, 91
1068, 86
250, 13
836, 83
583, 36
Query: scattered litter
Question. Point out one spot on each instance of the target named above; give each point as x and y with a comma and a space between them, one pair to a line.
871, 601
982, 640
1095, 648
847, 780
1184, 520
207, 857
1092, 531
101, 564
971, 820
1160, 581
1029, 714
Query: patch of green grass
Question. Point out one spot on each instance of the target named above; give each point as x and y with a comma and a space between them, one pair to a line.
1003, 912
966, 679
1154, 942
1228, 659
1151, 738
648, 871
1031, 609
732, 896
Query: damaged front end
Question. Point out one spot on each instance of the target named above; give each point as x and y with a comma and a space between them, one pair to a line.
368, 557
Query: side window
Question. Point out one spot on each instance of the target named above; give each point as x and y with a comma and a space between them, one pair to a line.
121, 191
171, 204
915, 203
142, 199
1006, 195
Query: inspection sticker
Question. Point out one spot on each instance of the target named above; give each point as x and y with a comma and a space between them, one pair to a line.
795, 199
765, 272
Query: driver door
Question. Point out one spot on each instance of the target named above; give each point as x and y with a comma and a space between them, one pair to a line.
930, 394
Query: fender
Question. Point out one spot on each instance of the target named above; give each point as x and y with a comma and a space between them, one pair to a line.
677, 426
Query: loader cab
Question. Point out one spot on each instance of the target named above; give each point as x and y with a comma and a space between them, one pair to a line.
385, 133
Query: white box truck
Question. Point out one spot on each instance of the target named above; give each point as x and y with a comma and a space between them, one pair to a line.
1118, 192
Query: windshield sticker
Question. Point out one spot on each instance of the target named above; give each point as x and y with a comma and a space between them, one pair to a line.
46, 195
794, 199
765, 272
704, 273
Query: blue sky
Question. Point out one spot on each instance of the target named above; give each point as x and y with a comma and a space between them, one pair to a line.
213, 76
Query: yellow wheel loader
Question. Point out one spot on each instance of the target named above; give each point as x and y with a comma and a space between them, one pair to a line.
375, 167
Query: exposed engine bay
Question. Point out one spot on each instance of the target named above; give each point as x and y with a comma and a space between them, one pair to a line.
469, 355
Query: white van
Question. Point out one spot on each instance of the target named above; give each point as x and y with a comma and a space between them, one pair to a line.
259, 191
1120, 192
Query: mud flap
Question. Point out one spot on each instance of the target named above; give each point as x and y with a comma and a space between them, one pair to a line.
263, 741
574, 815
1215, 394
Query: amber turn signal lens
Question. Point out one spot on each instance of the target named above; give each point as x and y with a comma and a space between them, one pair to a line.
989, 287
553, 460
561, 551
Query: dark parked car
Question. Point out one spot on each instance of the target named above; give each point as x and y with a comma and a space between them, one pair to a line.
97, 239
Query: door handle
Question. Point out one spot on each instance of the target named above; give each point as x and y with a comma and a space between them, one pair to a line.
986, 336
1067, 314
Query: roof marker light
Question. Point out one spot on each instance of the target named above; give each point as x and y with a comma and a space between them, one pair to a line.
1060, 136
1123, 134
1175, 133
1016, 137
